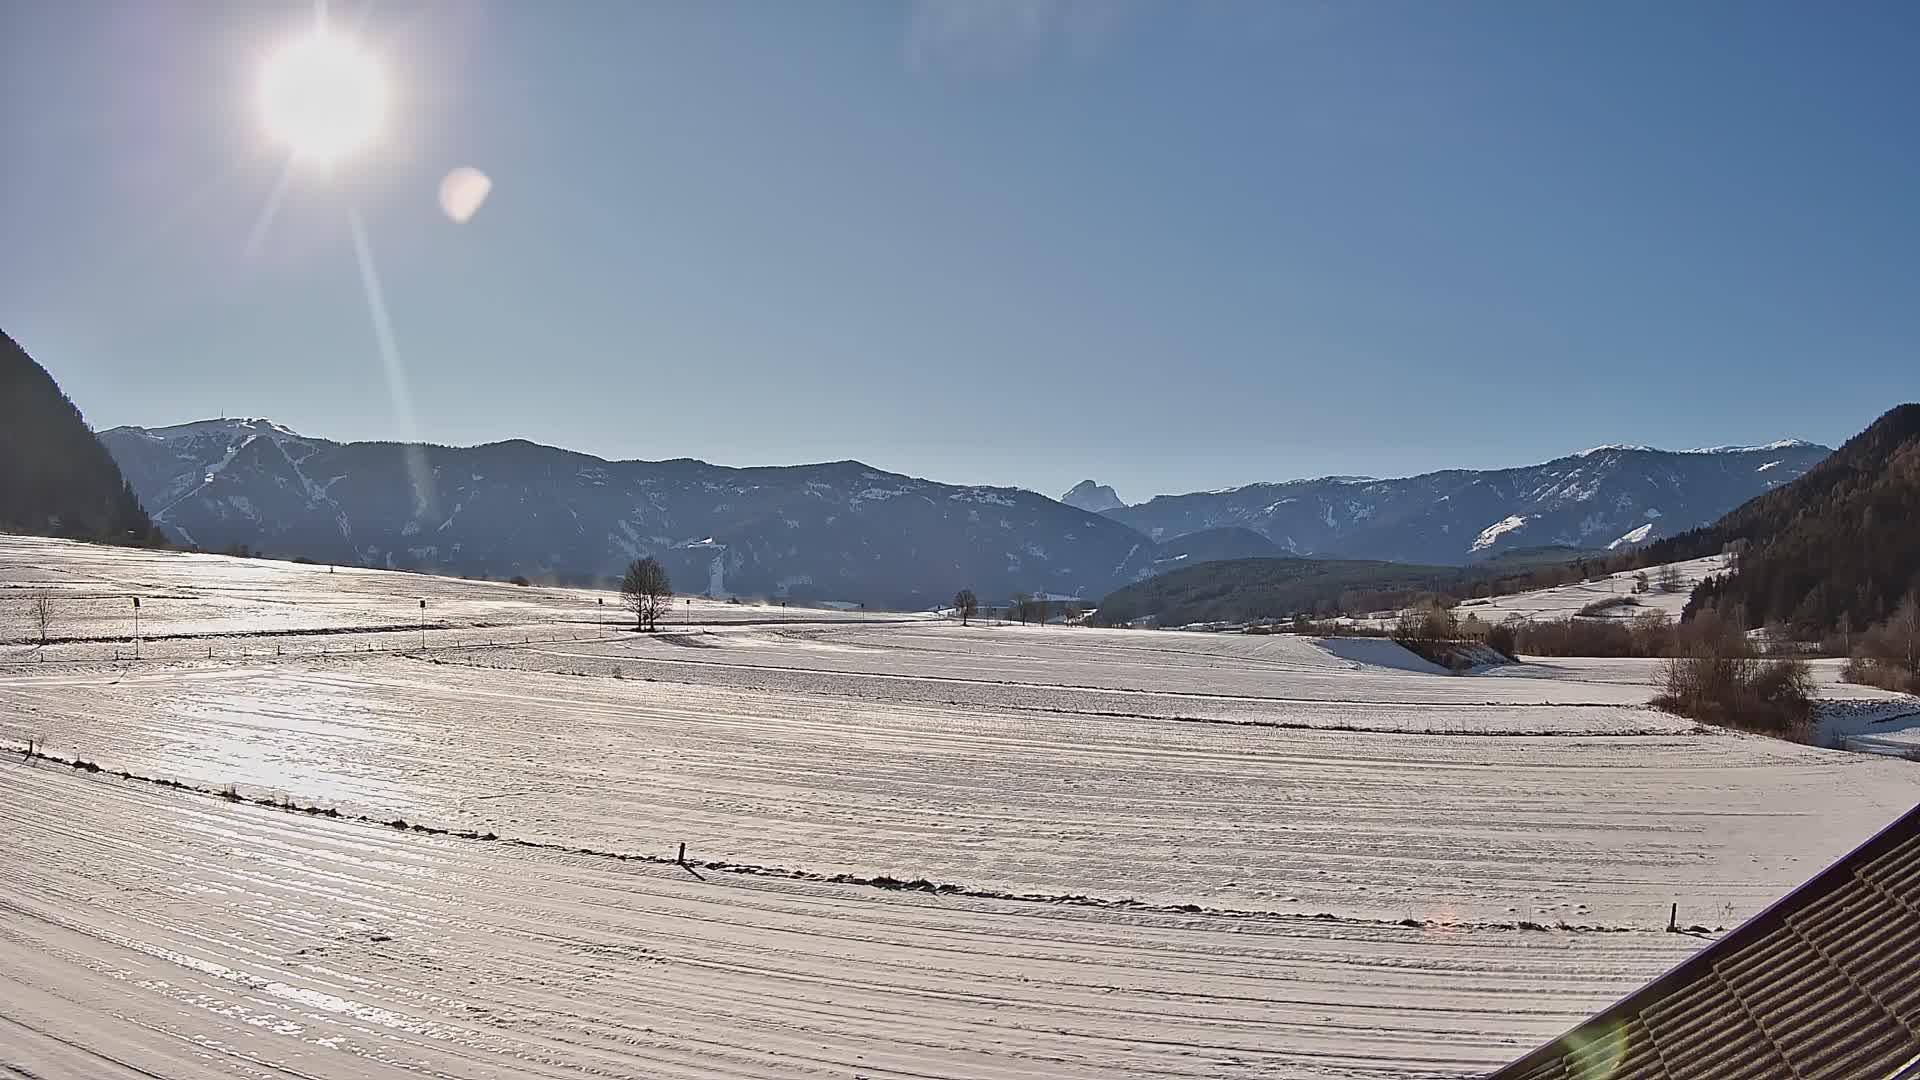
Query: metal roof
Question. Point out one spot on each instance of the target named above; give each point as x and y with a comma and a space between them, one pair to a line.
1823, 984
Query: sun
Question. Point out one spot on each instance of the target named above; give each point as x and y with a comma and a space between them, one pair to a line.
323, 96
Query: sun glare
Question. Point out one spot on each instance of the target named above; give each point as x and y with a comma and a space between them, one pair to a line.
323, 97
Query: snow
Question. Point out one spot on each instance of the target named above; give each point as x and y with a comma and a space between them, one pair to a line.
1379, 652
360, 951
1565, 601
1171, 855
1492, 533
1885, 723
1777, 444
1768, 465
1632, 536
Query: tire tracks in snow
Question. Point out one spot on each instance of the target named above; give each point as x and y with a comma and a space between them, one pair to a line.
882, 881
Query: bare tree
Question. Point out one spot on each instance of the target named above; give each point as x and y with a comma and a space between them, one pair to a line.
1427, 622
1021, 605
1897, 641
646, 592
966, 605
1034, 610
40, 614
1668, 578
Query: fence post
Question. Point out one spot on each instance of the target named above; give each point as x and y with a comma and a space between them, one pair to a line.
682, 859
1673, 920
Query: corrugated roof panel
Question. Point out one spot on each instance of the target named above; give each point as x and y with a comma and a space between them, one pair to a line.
1823, 985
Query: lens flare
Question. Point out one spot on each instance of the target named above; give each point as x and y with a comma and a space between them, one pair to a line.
462, 192
1599, 1053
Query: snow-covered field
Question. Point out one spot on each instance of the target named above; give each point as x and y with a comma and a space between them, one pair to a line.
1131, 853
1565, 601
257, 607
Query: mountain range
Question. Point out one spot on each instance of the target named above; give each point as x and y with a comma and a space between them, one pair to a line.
1608, 497
839, 531
845, 531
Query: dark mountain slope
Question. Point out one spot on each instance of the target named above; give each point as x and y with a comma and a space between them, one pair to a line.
1840, 544
55, 477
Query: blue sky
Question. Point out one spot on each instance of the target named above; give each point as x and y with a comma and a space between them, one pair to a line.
1002, 241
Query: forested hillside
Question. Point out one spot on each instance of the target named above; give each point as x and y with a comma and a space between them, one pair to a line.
1245, 589
55, 477
1836, 549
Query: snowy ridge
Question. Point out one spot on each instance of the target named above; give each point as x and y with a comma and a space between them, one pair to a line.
1777, 444
1592, 450
1586, 500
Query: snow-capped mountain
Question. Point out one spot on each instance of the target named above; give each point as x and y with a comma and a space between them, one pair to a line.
847, 531
1092, 497
837, 531
1606, 497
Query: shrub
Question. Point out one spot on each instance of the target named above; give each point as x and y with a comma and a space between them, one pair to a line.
1426, 624
1729, 687
1784, 684
1651, 634
1870, 672
519, 579
1574, 637
1888, 655
1608, 603
1504, 639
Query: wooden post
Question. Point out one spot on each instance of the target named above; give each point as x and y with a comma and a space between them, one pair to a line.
1673, 920
682, 860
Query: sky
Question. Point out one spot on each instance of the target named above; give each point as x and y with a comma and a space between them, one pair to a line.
1023, 242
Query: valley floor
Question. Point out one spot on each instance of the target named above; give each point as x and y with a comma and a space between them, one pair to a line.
1123, 853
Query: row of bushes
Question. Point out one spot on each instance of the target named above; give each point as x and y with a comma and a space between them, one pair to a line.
1649, 634
1887, 676
1772, 697
1888, 654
